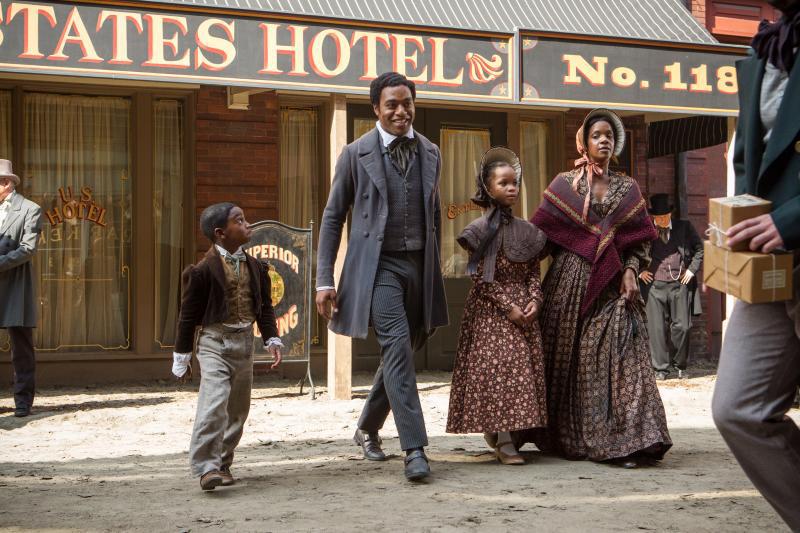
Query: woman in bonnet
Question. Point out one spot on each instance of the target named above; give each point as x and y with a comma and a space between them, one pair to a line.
498, 379
603, 403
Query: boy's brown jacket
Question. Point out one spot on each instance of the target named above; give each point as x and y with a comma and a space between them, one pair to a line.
203, 299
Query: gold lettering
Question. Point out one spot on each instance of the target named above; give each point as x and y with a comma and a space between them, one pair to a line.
401, 56
437, 57
30, 13
157, 42
54, 216
371, 40
576, 64
272, 49
342, 53
216, 45
120, 21
81, 38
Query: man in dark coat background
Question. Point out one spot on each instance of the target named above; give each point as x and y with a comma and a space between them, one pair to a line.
671, 282
391, 280
759, 367
20, 225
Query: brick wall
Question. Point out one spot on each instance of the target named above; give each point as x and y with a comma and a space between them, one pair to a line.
236, 155
698, 9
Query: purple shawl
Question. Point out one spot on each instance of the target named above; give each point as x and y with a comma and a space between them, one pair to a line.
600, 241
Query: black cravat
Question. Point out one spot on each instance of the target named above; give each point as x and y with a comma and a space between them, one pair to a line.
400, 150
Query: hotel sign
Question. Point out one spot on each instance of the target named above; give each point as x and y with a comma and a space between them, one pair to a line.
177, 46
579, 73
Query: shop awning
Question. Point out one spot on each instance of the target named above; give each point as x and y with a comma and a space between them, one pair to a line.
685, 134
657, 20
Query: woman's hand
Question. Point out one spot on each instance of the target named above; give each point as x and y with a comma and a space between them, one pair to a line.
531, 311
517, 316
629, 288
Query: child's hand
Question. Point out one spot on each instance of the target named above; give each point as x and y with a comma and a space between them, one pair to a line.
182, 367
532, 311
517, 316
276, 353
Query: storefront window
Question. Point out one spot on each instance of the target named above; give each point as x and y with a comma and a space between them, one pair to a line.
5, 125
299, 171
168, 172
462, 150
362, 126
533, 157
77, 164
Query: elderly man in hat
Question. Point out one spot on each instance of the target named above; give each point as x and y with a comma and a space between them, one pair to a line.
19, 233
672, 295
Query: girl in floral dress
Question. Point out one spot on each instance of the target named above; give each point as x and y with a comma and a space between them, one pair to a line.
498, 380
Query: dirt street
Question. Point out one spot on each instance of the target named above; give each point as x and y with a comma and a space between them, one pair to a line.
115, 458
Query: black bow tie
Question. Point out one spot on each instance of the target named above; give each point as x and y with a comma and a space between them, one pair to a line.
402, 140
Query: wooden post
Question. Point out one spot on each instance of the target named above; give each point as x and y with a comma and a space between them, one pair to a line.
340, 349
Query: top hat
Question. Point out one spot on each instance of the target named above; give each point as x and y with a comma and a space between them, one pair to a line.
7, 172
659, 204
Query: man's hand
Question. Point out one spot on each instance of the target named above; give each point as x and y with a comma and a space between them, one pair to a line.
182, 367
762, 231
517, 316
646, 276
531, 311
275, 351
629, 287
687, 277
326, 303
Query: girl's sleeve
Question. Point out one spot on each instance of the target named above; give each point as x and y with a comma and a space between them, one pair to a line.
492, 291
534, 283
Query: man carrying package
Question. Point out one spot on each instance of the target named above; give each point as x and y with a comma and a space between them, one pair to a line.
759, 368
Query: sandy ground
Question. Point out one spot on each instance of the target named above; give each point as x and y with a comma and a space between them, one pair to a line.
115, 458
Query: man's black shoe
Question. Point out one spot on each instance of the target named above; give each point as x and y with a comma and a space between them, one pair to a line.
370, 444
417, 467
22, 411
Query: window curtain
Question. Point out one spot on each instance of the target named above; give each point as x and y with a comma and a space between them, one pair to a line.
299, 160
534, 162
76, 147
362, 126
5, 126
168, 243
461, 156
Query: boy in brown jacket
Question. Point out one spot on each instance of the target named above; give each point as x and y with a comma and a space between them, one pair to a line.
223, 294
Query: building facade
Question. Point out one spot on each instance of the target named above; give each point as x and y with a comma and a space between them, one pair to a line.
126, 119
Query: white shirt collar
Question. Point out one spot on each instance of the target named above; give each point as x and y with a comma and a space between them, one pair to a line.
7, 202
224, 253
387, 137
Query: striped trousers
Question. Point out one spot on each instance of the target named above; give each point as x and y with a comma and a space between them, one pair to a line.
397, 319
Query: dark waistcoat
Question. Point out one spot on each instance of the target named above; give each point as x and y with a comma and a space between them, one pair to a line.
405, 225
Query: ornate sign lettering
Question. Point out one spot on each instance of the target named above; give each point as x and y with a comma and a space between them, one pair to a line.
59, 38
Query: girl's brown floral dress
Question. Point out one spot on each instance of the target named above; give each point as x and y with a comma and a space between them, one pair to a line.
498, 379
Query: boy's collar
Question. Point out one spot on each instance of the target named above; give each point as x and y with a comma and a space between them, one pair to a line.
224, 253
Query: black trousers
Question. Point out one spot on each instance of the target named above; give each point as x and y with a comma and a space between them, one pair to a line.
669, 320
23, 359
397, 319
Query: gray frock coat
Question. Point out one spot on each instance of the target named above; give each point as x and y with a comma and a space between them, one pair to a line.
18, 238
359, 187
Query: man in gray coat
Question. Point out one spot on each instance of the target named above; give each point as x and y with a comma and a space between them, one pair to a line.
391, 280
19, 233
